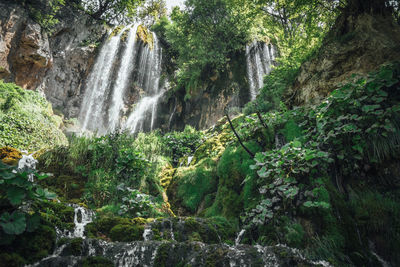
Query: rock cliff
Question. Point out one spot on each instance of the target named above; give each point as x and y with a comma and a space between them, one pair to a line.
58, 63
55, 64
366, 42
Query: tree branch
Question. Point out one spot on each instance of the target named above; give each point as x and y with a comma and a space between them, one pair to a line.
237, 136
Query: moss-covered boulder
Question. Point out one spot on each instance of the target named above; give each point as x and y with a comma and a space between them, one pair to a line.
191, 184
117, 228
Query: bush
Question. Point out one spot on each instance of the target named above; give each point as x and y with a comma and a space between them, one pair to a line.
183, 143
27, 121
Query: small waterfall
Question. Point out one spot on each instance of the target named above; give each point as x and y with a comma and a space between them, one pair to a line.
147, 234
162, 246
239, 237
122, 65
124, 72
26, 163
149, 79
82, 217
259, 59
91, 115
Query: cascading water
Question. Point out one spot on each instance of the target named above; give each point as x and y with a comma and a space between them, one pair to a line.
92, 109
121, 83
82, 217
149, 78
160, 246
120, 65
259, 58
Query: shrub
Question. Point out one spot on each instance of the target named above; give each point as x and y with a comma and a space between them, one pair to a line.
27, 121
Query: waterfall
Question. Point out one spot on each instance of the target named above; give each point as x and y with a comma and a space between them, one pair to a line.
124, 67
239, 237
82, 217
124, 72
149, 79
91, 114
259, 59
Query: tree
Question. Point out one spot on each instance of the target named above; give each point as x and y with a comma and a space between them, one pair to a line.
152, 11
205, 35
112, 11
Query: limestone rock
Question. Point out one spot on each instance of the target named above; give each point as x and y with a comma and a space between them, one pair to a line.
32, 57
372, 42
56, 65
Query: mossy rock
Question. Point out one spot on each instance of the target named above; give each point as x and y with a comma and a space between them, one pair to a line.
191, 184
73, 247
166, 175
34, 246
145, 36
127, 233
117, 228
10, 155
58, 214
116, 31
11, 260
27, 120
96, 262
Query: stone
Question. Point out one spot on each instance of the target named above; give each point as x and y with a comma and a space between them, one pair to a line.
373, 41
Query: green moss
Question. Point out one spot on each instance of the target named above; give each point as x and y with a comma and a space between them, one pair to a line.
194, 183
145, 35
96, 262
27, 120
57, 214
126, 233
116, 31
294, 235
74, 246
162, 255
11, 260
36, 245
233, 169
117, 228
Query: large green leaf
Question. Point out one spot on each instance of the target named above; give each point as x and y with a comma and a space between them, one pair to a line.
13, 224
15, 195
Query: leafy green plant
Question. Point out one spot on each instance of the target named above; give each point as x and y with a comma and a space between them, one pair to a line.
282, 176
139, 205
182, 143
18, 193
359, 121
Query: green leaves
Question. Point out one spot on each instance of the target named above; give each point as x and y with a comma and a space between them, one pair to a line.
18, 190
44, 194
15, 195
13, 224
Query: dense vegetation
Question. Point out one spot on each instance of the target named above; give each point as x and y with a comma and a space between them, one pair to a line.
26, 120
322, 178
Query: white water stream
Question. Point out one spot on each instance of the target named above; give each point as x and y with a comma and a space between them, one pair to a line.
124, 66
259, 59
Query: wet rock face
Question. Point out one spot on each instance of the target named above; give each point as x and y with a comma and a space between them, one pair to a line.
74, 45
56, 64
227, 90
156, 253
368, 43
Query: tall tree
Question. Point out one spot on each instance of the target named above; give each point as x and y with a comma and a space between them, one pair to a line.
112, 11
